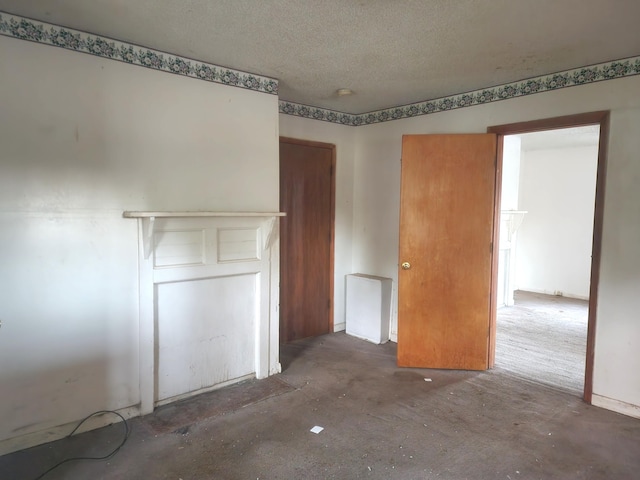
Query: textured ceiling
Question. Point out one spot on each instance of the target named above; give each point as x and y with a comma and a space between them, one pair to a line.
389, 52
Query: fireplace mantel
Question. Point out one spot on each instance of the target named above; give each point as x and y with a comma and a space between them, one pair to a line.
148, 222
134, 214
208, 297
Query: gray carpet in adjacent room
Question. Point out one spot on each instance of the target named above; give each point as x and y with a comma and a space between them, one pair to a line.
543, 339
380, 422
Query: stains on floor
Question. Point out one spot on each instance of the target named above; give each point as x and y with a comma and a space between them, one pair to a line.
379, 422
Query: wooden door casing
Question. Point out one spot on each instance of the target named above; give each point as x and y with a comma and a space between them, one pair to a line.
307, 189
601, 118
446, 234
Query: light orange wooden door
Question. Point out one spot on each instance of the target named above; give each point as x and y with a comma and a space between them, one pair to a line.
446, 233
306, 238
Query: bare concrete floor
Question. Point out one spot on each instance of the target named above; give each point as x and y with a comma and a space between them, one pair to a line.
380, 422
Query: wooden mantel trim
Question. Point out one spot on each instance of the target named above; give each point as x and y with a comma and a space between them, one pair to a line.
148, 219
133, 214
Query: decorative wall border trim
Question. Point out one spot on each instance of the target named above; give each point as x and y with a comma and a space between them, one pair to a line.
317, 113
555, 81
41, 32
67, 38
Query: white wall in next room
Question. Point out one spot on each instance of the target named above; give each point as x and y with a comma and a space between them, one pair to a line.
557, 189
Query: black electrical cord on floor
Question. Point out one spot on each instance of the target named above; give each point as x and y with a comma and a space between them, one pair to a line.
73, 459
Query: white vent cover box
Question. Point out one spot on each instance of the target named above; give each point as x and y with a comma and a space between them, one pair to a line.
368, 307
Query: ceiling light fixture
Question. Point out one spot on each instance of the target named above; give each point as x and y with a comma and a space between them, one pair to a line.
343, 92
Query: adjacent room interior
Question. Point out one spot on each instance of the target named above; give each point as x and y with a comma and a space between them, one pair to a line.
547, 215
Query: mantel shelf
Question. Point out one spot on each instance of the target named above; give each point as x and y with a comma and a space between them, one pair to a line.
133, 214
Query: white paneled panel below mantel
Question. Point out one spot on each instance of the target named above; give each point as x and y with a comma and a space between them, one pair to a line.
208, 301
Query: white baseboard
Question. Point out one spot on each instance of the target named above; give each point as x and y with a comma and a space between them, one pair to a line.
217, 386
338, 327
548, 292
56, 433
616, 406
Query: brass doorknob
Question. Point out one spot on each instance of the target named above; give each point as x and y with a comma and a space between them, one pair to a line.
406, 265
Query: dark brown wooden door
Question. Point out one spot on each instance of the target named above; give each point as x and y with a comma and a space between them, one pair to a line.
446, 231
306, 239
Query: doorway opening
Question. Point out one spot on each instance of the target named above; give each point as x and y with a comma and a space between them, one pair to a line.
550, 233
546, 231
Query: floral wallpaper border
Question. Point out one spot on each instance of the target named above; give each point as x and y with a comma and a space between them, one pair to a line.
45, 33
555, 81
317, 113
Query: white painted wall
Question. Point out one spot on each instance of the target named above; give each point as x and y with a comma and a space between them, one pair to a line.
511, 159
376, 211
557, 188
343, 137
83, 139
617, 362
376, 206
511, 153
